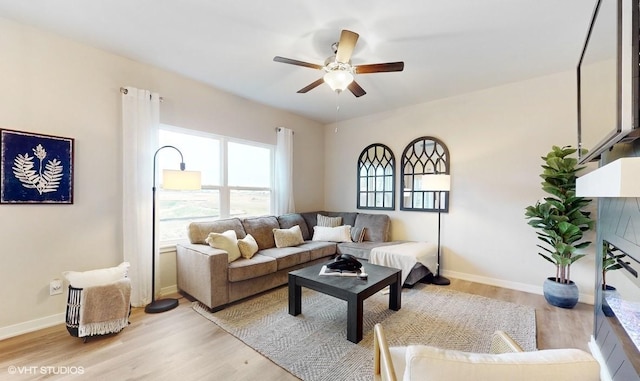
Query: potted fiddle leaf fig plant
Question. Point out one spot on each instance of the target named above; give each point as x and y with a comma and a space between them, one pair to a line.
561, 221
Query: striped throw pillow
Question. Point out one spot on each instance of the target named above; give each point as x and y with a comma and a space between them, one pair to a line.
329, 222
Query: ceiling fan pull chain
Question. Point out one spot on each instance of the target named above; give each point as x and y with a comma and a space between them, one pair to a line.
337, 112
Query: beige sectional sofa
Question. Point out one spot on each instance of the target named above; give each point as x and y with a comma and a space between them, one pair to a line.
206, 274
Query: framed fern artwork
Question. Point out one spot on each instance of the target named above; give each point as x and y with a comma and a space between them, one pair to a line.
35, 168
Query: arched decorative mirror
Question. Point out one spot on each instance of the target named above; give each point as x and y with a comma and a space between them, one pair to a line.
422, 190
376, 178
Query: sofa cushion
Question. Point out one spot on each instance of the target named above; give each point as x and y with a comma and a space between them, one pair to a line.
319, 249
287, 256
248, 246
348, 218
377, 226
261, 228
288, 237
336, 234
287, 221
430, 363
199, 231
311, 218
226, 241
244, 269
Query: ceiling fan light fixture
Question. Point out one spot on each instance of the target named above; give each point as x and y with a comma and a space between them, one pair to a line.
339, 72
338, 80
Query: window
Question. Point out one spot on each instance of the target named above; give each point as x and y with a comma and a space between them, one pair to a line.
376, 178
423, 157
236, 180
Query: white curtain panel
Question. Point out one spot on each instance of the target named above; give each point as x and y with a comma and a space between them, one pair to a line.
140, 120
284, 172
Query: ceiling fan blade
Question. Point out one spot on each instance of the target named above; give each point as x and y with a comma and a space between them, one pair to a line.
311, 86
379, 68
346, 45
356, 89
296, 62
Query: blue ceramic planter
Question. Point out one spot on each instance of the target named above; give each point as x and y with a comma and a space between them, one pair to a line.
560, 294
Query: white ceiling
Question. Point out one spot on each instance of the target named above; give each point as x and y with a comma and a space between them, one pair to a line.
449, 46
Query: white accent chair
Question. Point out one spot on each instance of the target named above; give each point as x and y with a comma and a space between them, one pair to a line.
507, 361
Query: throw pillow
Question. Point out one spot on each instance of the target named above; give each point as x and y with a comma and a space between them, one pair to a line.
288, 237
248, 246
335, 234
327, 221
227, 241
100, 277
357, 234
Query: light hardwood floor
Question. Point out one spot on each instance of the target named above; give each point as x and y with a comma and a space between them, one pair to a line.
181, 345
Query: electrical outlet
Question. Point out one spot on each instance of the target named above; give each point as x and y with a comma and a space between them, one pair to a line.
55, 287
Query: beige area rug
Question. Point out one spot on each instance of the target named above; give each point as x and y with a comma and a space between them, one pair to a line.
314, 345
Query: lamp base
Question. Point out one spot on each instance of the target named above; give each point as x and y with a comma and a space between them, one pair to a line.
161, 305
439, 280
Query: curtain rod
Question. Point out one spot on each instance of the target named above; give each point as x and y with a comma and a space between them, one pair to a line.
124, 91
278, 129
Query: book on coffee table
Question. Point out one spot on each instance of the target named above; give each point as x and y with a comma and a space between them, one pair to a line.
329, 272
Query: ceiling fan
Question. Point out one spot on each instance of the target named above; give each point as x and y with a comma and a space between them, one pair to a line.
339, 73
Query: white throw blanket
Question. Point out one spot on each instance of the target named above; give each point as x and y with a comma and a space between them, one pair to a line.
404, 256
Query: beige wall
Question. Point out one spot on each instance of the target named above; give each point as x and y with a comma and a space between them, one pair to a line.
496, 138
54, 86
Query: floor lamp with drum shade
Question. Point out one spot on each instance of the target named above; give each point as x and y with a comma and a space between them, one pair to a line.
171, 180
438, 183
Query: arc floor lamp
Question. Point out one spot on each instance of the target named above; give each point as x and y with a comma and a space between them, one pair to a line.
171, 180
438, 183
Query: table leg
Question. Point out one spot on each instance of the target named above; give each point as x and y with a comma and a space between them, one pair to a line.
295, 297
354, 319
395, 294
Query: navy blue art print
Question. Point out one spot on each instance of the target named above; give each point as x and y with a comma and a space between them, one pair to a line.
35, 168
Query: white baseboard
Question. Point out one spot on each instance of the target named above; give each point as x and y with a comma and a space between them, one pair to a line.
595, 351
30, 326
583, 298
49, 321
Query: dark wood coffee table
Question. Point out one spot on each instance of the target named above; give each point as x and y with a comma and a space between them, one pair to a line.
351, 289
